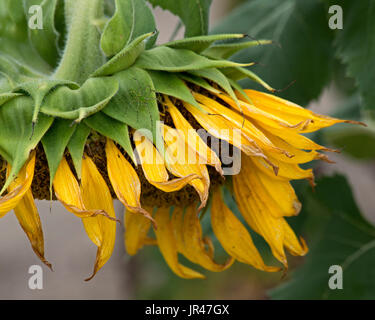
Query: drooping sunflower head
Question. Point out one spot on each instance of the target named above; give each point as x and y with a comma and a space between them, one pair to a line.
164, 129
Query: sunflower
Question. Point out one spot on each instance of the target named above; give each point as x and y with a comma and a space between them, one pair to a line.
153, 126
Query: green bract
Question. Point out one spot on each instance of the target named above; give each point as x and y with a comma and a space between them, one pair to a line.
96, 68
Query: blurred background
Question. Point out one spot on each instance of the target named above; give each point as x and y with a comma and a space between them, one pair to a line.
303, 52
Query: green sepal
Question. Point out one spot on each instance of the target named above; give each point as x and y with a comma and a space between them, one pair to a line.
76, 146
218, 77
238, 73
227, 50
5, 97
16, 138
178, 60
171, 85
201, 43
39, 88
136, 103
125, 58
55, 142
76, 105
112, 129
199, 82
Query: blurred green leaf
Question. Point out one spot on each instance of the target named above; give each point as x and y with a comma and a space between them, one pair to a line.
194, 14
303, 44
356, 46
132, 19
346, 239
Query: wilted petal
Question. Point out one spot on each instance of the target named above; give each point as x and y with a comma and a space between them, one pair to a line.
293, 113
124, 180
96, 196
168, 247
191, 242
234, 237
28, 217
136, 232
68, 192
22, 184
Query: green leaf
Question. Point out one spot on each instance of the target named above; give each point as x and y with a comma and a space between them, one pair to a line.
112, 129
132, 19
194, 14
135, 104
201, 43
171, 85
347, 240
48, 34
16, 138
76, 146
125, 58
304, 53
356, 47
76, 105
178, 60
55, 142
226, 50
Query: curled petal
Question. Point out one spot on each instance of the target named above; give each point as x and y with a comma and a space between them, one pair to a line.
191, 242
68, 192
136, 231
21, 185
234, 237
100, 229
124, 180
154, 168
168, 247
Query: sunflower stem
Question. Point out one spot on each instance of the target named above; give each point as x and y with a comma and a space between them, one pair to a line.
82, 54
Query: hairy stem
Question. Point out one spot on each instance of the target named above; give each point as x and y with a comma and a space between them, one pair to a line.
82, 54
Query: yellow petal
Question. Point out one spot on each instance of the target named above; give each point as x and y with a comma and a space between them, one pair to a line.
278, 194
293, 113
234, 237
96, 196
181, 161
124, 180
222, 129
168, 247
136, 231
154, 168
68, 192
257, 215
295, 247
28, 217
238, 120
21, 185
192, 138
191, 242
